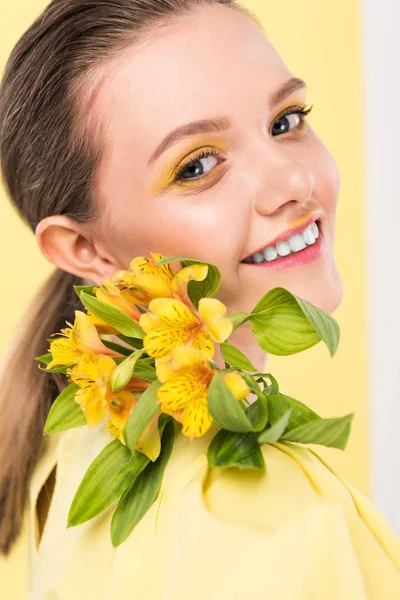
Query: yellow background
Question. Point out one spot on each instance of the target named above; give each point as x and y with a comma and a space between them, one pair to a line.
321, 44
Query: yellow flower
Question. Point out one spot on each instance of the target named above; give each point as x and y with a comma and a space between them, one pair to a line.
186, 376
95, 397
169, 323
111, 294
80, 337
92, 374
148, 281
121, 406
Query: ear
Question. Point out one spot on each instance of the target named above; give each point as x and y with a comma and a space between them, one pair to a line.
73, 248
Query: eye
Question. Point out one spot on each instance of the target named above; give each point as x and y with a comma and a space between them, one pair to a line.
291, 119
197, 166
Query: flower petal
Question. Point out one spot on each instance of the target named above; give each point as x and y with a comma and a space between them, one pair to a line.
164, 368
121, 406
190, 273
237, 385
161, 341
62, 353
212, 313
188, 355
173, 312
149, 441
153, 285
115, 432
93, 404
111, 294
203, 343
197, 419
176, 393
85, 337
149, 321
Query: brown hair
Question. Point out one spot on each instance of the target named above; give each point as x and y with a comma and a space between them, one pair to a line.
49, 162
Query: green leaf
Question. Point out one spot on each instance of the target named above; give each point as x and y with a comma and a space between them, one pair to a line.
258, 413
142, 413
137, 500
122, 374
333, 433
65, 412
274, 433
273, 388
112, 315
169, 259
253, 385
225, 408
117, 347
88, 289
228, 449
60, 369
238, 317
234, 357
278, 404
285, 324
104, 482
206, 288
145, 371
163, 419
134, 342
45, 358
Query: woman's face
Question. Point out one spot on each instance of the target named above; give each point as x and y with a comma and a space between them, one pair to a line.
247, 183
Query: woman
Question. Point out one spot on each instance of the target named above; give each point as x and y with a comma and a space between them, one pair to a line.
172, 126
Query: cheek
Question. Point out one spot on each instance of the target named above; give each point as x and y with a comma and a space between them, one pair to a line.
327, 179
207, 228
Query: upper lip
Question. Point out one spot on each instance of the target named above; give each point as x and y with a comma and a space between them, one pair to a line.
286, 234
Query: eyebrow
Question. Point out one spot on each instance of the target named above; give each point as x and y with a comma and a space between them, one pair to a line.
221, 123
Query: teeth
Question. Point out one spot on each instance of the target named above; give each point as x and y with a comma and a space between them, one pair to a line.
295, 243
283, 248
258, 258
270, 253
314, 229
308, 236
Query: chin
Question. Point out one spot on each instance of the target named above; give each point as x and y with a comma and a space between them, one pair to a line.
323, 288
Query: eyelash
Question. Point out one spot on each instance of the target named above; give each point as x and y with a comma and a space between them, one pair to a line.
303, 112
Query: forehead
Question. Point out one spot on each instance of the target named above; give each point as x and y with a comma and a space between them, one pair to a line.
217, 61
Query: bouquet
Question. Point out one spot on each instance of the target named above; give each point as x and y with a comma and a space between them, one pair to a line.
161, 381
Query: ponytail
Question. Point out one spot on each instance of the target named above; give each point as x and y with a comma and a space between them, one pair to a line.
26, 395
51, 149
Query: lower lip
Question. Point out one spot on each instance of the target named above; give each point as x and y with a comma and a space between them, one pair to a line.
296, 259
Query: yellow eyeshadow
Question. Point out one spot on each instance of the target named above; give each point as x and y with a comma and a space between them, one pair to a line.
165, 175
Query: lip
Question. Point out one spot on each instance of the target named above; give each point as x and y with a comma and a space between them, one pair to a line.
293, 260
283, 237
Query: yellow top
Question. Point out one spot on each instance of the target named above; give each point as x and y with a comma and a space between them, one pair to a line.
294, 532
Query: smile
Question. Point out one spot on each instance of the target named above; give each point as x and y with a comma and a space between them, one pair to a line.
299, 249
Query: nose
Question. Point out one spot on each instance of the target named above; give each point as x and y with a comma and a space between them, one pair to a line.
283, 178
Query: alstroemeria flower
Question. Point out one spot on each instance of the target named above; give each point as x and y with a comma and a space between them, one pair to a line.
170, 323
186, 376
95, 397
92, 374
148, 281
80, 337
111, 294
